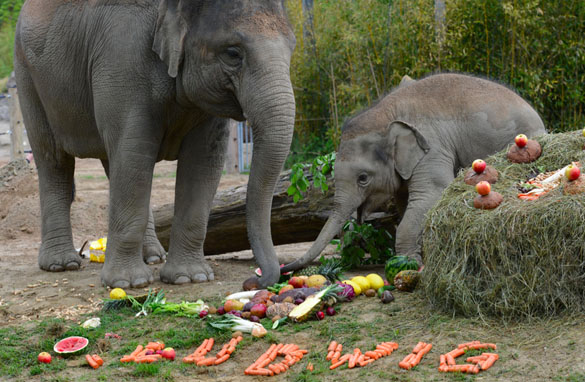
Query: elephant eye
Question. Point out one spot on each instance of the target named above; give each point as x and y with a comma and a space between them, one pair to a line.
233, 53
363, 179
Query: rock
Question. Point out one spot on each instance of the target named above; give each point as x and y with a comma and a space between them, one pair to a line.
526, 154
489, 201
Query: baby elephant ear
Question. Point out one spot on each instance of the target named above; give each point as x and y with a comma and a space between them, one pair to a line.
169, 35
409, 147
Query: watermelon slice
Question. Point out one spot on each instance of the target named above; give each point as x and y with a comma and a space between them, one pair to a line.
70, 345
258, 271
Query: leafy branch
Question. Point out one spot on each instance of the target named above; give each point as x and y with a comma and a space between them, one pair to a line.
320, 167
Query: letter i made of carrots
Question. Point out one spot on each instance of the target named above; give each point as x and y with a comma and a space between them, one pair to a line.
357, 358
414, 358
264, 364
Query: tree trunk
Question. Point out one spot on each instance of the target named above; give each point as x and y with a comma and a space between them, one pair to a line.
290, 222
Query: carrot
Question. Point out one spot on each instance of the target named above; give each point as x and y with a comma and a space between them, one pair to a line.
259, 372
332, 346
385, 347
239, 338
381, 353
476, 359
491, 355
127, 358
209, 345
98, 359
188, 359
138, 350
487, 363
310, 366
330, 355
265, 363
418, 347
405, 363
471, 369
394, 345
450, 360
372, 354
221, 359
481, 346
339, 348
461, 346
206, 362
274, 369
442, 360
364, 363
335, 356
360, 359
337, 364
457, 352
91, 361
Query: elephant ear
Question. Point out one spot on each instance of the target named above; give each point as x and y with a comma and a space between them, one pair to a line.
169, 36
410, 146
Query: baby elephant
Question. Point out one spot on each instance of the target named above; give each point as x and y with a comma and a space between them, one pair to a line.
410, 146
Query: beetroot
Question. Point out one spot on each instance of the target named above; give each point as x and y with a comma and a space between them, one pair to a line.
149, 352
248, 306
258, 310
299, 301
320, 315
221, 311
203, 313
254, 319
330, 311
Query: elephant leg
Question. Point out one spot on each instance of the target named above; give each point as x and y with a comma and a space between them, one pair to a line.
152, 250
131, 158
55, 169
199, 170
423, 195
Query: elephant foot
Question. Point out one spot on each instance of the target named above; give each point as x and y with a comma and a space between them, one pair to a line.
133, 274
153, 252
59, 260
189, 270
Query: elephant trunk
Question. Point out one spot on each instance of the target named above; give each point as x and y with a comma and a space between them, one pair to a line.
343, 208
270, 110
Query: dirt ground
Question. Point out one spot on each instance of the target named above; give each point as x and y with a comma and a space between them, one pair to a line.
548, 350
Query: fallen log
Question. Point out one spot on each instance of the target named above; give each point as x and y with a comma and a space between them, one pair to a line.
290, 222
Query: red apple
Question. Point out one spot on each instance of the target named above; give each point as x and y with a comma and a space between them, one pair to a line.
168, 353
521, 140
320, 315
44, 357
296, 282
572, 172
483, 188
478, 166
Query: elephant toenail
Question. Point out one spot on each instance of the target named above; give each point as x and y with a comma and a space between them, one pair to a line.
200, 278
72, 266
154, 260
121, 284
182, 280
56, 268
139, 283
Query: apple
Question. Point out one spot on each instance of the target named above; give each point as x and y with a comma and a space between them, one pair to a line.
320, 315
44, 357
572, 172
168, 353
521, 140
478, 166
296, 282
483, 188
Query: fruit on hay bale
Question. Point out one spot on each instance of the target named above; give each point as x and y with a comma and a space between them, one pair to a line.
478, 166
70, 345
483, 188
572, 172
397, 264
407, 280
530, 152
521, 140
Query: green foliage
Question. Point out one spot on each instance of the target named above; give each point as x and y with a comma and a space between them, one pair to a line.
321, 166
361, 239
9, 10
355, 51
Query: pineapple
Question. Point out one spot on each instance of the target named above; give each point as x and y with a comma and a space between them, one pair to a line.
332, 269
314, 303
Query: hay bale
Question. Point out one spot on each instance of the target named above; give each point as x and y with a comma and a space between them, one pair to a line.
522, 260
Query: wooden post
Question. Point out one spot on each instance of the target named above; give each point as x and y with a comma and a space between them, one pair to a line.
16, 127
231, 160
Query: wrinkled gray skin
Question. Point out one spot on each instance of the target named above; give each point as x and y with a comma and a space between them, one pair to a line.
411, 145
133, 82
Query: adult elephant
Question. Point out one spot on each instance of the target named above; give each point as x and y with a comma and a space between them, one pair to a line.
410, 146
133, 82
